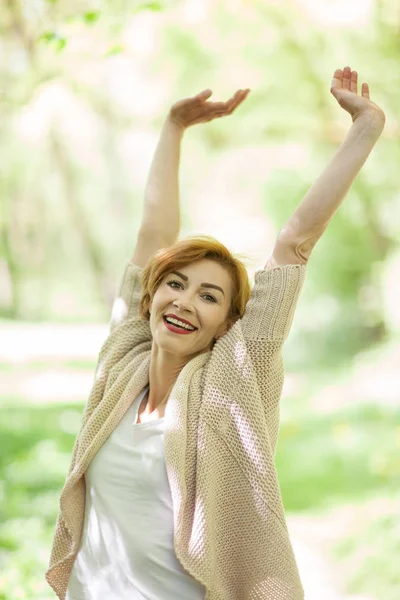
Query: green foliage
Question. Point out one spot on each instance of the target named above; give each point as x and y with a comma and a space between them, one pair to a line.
326, 461
116, 49
152, 6
57, 41
34, 458
91, 17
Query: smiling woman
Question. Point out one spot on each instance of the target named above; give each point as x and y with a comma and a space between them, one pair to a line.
177, 282
173, 491
170, 261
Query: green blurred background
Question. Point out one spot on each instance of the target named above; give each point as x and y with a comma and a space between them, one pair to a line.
85, 88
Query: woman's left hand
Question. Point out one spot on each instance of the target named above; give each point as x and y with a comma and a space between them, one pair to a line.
189, 111
344, 89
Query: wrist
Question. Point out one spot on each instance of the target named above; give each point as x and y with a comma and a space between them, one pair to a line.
372, 120
174, 125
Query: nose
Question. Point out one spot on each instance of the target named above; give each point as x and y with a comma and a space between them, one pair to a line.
183, 304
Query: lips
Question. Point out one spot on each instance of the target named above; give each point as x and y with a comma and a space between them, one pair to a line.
180, 319
180, 330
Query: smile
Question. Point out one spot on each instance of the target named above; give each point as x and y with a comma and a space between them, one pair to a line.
176, 329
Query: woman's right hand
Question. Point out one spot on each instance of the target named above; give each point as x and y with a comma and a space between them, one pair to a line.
196, 109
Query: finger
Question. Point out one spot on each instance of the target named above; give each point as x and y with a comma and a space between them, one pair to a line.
227, 111
243, 95
354, 82
233, 101
204, 94
215, 110
217, 107
240, 94
200, 97
227, 107
365, 90
215, 114
237, 99
346, 78
337, 81
193, 100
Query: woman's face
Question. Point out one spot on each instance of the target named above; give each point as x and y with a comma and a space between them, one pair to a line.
189, 294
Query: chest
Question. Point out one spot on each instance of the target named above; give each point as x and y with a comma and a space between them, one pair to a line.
129, 468
143, 416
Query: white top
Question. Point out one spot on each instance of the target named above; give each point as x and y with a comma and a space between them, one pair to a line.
127, 549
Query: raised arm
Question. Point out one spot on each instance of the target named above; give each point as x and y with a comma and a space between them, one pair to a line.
307, 224
161, 216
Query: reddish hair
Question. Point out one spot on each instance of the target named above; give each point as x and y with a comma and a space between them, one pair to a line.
185, 252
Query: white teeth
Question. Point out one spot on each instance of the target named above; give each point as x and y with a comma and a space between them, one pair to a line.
176, 322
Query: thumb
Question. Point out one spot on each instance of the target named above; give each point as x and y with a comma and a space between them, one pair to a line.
337, 93
205, 93
333, 90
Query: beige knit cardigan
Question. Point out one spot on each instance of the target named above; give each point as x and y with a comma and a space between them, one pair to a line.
221, 429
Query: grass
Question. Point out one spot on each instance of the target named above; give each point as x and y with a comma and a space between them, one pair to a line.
34, 458
325, 461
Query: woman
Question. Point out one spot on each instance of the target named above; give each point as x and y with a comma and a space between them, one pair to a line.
172, 490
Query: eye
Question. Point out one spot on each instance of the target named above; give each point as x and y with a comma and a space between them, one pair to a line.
211, 298
169, 283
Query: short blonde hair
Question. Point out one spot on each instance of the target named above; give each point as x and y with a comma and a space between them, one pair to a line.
185, 252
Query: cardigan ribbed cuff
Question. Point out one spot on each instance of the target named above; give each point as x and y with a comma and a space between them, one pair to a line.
126, 303
270, 310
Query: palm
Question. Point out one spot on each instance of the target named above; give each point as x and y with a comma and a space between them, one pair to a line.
190, 111
344, 89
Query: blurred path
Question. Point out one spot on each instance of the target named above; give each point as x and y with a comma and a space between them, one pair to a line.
320, 578
51, 345
23, 342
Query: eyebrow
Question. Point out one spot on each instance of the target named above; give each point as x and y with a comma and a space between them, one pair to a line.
205, 285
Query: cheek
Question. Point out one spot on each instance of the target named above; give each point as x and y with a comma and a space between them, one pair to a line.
213, 321
157, 307
156, 302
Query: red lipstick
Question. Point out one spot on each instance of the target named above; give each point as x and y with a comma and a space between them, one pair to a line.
176, 329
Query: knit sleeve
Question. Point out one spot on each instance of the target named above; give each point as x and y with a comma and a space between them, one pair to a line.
126, 303
129, 334
128, 328
265, 327
246, 366
270, 310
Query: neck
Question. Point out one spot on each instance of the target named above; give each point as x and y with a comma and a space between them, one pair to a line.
163, 372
